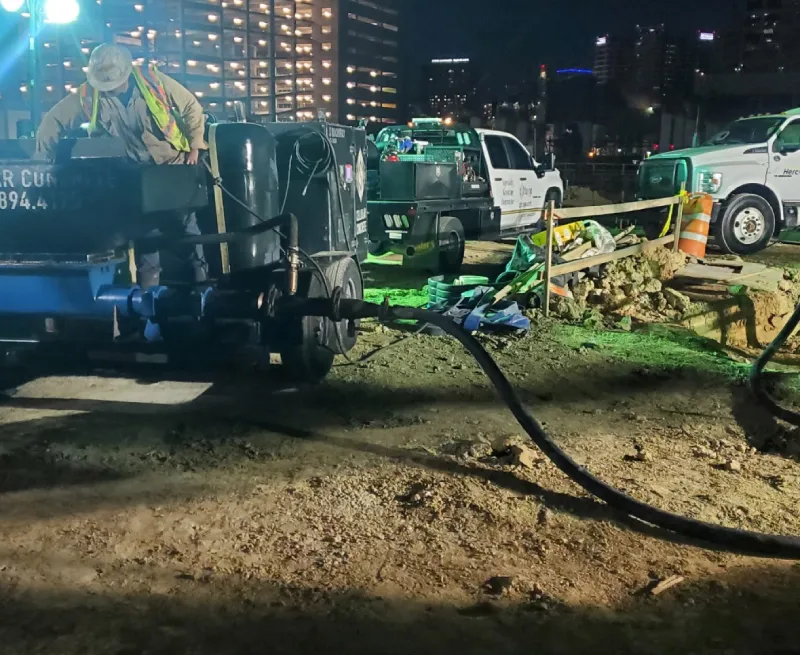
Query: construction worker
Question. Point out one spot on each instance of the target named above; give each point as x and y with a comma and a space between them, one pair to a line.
159, 121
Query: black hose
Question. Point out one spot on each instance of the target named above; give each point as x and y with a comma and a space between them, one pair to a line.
743, 541
731, 539
756, 380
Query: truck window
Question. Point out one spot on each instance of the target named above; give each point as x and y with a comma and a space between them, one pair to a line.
497, 152
520, 159
789, 138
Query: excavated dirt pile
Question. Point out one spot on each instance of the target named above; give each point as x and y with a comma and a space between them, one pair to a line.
629, 289
642, 289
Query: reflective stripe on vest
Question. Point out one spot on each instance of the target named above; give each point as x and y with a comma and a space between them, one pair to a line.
150, 86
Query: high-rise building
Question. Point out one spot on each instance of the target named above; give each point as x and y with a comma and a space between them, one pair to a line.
288, 59
654, 66
449, 87
367, 59
770, 36
613, 60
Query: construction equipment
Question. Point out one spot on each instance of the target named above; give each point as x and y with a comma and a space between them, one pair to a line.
69, 228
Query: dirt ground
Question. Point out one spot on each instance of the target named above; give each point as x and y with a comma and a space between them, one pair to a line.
378, 513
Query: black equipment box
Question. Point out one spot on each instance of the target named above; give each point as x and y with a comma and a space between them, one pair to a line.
322, 171
89, 205
419, 181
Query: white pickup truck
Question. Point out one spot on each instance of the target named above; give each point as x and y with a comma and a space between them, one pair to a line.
450, 183
752, 170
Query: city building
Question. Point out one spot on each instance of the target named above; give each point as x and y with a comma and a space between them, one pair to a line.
366, 44
613, 60
284, 59
769, 36
652, 68
448, 87
757, 63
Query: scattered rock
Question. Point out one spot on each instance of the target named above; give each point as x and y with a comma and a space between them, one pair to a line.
545, 516
733, 466
567, 309
651, 286
499, 584
703, 451
676, 300
418, 495
470, 449
525, 456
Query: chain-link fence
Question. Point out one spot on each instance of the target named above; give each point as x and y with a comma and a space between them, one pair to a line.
588, 184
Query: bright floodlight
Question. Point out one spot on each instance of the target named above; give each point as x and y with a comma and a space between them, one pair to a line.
12, 5
61, 11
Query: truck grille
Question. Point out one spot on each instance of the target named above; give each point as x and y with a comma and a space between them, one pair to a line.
662, 178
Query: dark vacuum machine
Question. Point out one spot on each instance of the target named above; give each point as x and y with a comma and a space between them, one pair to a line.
282, 211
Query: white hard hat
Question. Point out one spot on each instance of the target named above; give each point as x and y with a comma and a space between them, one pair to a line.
109, 66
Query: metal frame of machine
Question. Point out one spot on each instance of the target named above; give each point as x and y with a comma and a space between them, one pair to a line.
67, 282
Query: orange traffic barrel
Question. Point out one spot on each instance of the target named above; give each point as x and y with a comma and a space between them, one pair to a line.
695, 225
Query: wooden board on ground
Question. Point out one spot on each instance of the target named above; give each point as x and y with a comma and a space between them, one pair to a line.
757, 276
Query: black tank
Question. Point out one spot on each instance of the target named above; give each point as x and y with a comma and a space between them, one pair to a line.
244, 155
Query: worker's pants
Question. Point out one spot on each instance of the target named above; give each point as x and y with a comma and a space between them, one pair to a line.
190, 261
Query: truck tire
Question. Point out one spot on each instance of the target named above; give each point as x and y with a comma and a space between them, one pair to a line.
452, 244
746, 224
378, 248
552, 194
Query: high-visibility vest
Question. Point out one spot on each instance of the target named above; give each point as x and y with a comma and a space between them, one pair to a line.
149, 82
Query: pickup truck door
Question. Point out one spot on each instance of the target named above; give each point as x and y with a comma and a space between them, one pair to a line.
784, 165
504, 180
531, 189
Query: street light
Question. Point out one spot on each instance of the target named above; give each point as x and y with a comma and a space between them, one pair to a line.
60, 12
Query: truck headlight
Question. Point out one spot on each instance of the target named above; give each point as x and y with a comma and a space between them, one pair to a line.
709, 182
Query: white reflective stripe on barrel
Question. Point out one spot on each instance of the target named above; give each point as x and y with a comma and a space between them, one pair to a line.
693, 236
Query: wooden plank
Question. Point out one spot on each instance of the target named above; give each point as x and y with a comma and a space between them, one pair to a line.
589, 262
610, 210
548, 263
577, 253
679, 221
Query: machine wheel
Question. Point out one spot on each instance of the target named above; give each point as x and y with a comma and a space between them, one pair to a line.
452, 244
309, 357
344, 273
746, 225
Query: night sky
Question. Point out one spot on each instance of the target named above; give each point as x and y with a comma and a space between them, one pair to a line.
560, 33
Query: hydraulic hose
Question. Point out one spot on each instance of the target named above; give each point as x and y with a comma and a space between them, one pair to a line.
731, 539
756, 379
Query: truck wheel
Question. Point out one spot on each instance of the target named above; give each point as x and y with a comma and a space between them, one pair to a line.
552, 194
378, 248
452, 244
344, 273
746, 225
